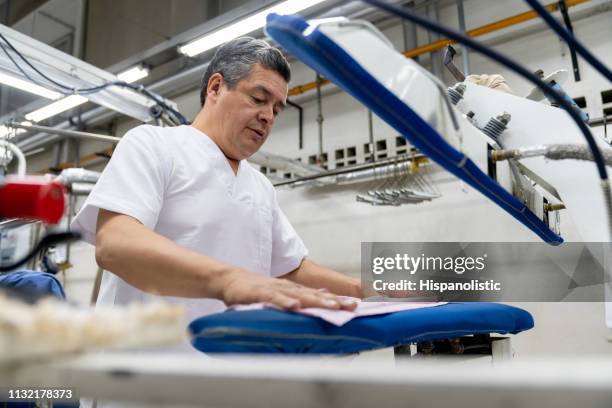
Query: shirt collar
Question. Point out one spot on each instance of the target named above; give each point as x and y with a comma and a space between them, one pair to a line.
216, 151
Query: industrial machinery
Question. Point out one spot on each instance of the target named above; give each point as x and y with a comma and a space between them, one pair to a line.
461, 131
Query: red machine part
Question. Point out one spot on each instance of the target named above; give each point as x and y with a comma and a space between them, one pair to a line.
32, 198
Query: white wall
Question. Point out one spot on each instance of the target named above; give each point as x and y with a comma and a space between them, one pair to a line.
333, 225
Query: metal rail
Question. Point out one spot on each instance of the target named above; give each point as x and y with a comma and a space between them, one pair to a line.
66, 132
419, 158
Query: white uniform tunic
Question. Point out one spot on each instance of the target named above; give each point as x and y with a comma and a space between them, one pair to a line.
177, 182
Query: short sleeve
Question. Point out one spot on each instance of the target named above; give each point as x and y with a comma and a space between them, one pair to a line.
133, 183
288, 250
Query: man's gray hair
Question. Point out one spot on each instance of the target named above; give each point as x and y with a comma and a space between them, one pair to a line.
235, 59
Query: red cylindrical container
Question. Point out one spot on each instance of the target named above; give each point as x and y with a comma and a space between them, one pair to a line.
32, 198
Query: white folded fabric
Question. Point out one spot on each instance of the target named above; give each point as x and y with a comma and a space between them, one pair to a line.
341, 317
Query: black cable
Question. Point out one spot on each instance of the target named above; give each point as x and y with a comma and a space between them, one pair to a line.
179, 118
300, 122
46, 241
503, 60
568, 24
570, 39
159, 100
42, 74
33, 67
25, 74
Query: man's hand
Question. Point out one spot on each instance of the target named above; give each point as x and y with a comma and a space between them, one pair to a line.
320, 277
495, 81
243, 287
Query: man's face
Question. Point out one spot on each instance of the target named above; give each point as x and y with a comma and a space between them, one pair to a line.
247, 112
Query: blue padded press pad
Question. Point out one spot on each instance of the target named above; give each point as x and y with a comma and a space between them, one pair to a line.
274, 331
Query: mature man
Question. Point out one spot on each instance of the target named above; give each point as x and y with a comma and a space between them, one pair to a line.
179, 213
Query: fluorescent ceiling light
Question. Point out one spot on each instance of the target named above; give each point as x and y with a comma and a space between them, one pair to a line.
244, 26
28, 86
133, 74
54, 108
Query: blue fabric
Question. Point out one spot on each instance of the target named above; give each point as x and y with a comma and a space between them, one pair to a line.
274, 331
33, 284
326, 57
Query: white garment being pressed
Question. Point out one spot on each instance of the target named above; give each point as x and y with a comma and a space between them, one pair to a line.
342, 317
177, 182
